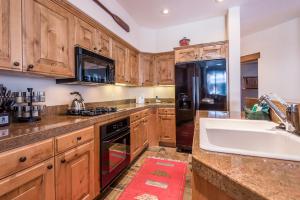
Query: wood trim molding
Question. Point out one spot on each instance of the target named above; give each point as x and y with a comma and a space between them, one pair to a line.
201, 45
250, 57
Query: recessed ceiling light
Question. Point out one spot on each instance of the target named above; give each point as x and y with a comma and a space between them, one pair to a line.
165, 11
219, 1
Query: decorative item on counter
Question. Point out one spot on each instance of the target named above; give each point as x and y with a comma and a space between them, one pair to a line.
140, 100
6, 102
184, 42
25, 111
258, 112
157, 100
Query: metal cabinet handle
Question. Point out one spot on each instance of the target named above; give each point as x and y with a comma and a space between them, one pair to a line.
16, 63
63, 161
79, 138
50, 166
29, 67
23, 159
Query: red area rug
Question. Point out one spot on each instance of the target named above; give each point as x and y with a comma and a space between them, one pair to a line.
158, 179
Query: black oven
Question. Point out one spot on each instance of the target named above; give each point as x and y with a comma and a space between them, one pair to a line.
114, 150
91, 69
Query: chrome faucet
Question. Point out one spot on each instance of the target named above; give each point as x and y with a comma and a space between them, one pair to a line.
290, 119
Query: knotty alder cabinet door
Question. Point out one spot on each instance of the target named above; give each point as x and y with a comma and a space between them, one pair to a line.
167, 125
75, 173
133, 67
119, 55
10, 35
85, 35
103, 44
35, 183
187, 55
146, 67
135, 139
165, 66
48, 39
213, 52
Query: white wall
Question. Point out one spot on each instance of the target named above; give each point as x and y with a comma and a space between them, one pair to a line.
209, 30
234, 34
60, 94
279, 65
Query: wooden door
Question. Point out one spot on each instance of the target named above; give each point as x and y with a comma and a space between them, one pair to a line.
135, 130
85, 35
146, 67
35, 183
104, 44
133, 67
213, 52
165, 69
168, 129
145, 131
48, 39
75, 173
119, 55
186, 55
10, 35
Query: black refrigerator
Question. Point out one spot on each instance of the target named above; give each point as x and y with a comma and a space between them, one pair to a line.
200, 85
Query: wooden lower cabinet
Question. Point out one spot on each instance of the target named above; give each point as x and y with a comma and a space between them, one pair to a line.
75, 173
135, 139
35, 183
203, 190
145, 131
139, 130
167, 125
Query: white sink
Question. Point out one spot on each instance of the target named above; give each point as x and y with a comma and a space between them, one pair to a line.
248, 137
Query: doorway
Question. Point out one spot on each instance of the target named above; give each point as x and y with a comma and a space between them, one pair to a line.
249, 80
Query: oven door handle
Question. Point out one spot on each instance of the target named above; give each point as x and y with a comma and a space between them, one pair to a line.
112, 140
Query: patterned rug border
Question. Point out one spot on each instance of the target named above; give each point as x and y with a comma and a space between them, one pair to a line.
168, 159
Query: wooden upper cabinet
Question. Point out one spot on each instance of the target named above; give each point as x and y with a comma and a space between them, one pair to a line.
104, 44
165, 67
35, 183
147, 70
48, 39
133, 67
213, 52
186, 55
119, 55
85, 35
10, 35
75, 173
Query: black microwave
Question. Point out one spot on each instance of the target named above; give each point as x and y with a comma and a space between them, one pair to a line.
91, 69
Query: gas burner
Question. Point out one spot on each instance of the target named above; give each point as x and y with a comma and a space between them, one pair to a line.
93, 111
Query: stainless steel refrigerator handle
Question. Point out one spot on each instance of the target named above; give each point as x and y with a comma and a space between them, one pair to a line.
194, 94
197, 93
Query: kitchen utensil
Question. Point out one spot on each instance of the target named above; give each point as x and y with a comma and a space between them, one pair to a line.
115, 17
77, 104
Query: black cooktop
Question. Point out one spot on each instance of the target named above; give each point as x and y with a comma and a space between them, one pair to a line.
92, 111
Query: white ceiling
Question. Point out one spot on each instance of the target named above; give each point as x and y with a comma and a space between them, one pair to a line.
255, 14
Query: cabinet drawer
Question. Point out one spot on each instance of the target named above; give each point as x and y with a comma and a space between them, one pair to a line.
24, 157
135, 116
74, 139
145, 113
166, 111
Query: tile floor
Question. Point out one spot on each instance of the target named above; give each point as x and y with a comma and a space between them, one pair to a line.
161, 152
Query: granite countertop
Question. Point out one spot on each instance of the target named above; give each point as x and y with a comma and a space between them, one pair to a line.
245, 177
20, 134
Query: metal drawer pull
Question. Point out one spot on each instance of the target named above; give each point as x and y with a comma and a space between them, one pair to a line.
22, 159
